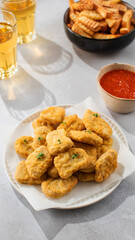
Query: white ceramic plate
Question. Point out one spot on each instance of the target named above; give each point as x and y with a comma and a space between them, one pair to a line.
10, 164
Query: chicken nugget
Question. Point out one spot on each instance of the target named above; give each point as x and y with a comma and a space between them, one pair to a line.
86, 136
39, 122
107, 144
95, 123
71, 161
22, 175
71, 122
53, 115
57, 141
52, 172
38, 162
85, 177
40, 136
105, 165
23, 146
57, 188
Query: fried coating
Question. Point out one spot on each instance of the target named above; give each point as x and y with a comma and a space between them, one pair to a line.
57, 141
53, 115
23, 146
52, 172
85, 177
107, 144
22, 175
39, 122
105, 165
40, 136
91, 151
57, 188
38, 162
95, 123
71, 161
86, 136
71, 122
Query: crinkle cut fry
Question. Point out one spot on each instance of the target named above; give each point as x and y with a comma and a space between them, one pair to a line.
78, 30
73, 16
116, 26
78, 6
110, 22
110, 4
87, 3
105, 36
89, 23
84, 28
103, 11
91, 14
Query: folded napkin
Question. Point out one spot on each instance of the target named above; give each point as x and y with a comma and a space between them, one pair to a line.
84, 190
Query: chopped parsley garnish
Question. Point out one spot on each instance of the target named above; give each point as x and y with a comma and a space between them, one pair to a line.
88, 131
95, 114
25, 141
40, 155
59, 141
63, 122
40, 138
74, 156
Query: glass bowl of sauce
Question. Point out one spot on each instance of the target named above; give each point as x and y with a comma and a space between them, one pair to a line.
116, 84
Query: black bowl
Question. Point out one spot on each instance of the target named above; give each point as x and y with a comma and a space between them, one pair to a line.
96, 45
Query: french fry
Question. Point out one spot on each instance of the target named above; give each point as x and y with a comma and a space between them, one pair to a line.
103, 11
118, 7
116, 26
78, 6
88, 3
104, 36
110, 22
124, 31
103, 26
84, 28
89, 23
73, 16
114, 1
133, 21
91, 14
112, 10
78, 30
126, 20
132, 27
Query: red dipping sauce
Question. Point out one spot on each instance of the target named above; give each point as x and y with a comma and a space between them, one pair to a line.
119, 83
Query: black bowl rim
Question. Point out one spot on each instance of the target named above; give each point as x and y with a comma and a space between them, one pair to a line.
99, 40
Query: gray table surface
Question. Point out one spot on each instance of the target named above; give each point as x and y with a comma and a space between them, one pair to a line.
53, 71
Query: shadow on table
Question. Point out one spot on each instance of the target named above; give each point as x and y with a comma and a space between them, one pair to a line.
45, 56
53, 220
22, 94
98, 60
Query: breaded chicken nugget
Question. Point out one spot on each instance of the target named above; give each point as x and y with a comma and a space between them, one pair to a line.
72, 122
57, 188
71, 161
38, 162
91, 151
105, 165
40, 136
95, 123
107, 144
39, 122
85, 136
52, 172
22, 175
53, 115
57, 141
23, 146
85, 177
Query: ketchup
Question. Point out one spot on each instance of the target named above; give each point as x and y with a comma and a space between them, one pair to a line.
119, 83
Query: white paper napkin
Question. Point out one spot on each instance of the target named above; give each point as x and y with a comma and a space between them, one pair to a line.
126, 166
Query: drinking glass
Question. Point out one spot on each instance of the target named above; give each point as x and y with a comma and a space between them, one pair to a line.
24, 10
8, 42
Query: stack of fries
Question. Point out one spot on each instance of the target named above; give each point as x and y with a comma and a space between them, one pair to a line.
100, 19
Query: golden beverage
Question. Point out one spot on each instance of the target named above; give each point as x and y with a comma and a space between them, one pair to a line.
8, 42
24, 10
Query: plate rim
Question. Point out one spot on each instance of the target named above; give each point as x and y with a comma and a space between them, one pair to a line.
76, 205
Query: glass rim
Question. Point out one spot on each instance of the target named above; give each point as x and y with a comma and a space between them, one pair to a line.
14, 25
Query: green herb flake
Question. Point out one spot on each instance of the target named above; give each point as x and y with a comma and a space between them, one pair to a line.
63, 122
25, 141
40, 138
40, 155
88, 131
59, 141
74, 156
95, 114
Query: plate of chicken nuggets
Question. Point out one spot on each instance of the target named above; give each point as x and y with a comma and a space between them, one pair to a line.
59, 151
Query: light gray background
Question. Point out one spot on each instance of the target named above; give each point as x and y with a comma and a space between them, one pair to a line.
53, 71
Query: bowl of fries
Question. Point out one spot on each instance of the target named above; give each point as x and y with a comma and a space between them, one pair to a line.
100, 25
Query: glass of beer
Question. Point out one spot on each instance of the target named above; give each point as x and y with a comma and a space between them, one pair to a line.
8, 42
24, 10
